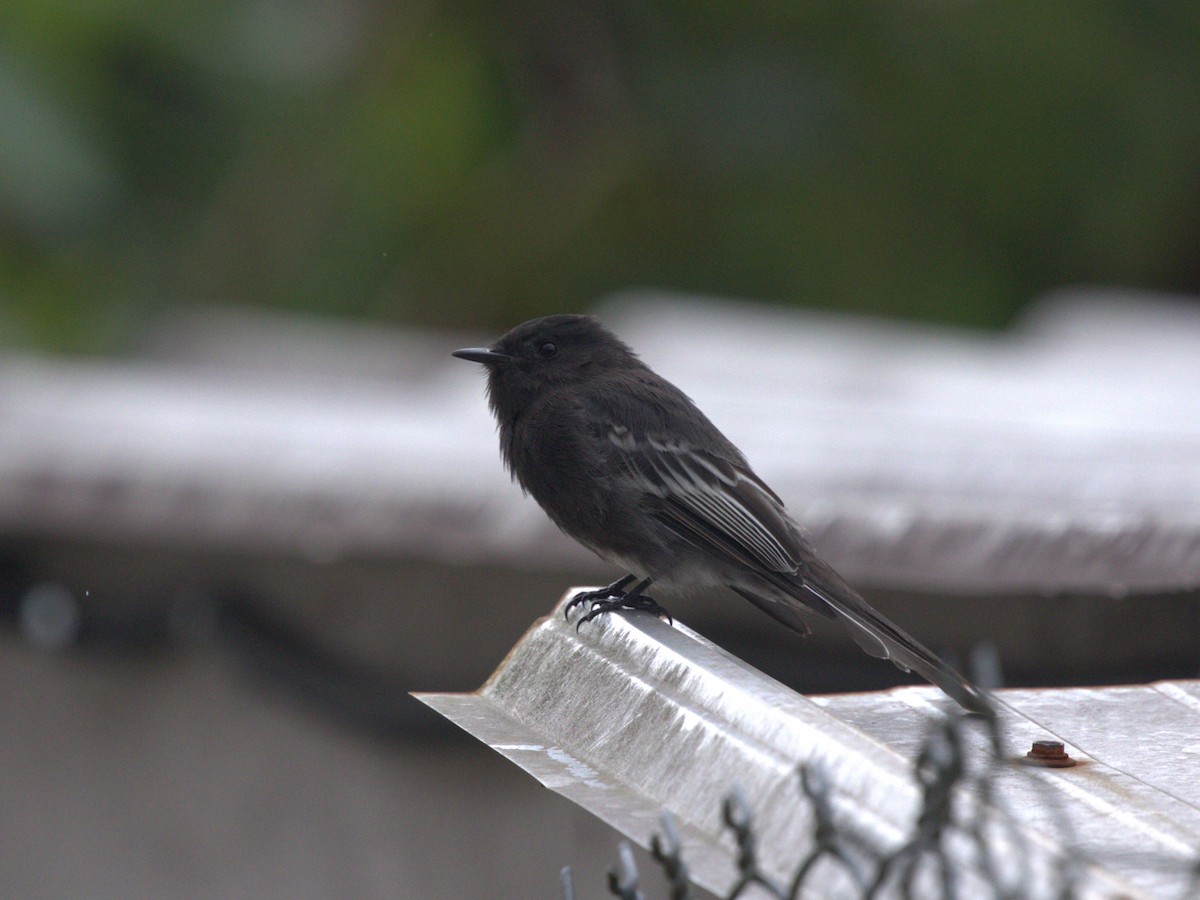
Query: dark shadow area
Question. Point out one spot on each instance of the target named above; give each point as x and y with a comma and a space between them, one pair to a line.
412, 626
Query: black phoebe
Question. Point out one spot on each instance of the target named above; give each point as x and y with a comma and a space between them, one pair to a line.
622, 461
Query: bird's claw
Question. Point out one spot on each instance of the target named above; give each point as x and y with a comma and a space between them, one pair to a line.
593, 597
650, 605
612, 598
600, 595
599, 608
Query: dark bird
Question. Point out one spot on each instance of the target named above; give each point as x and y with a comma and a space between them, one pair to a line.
622, 461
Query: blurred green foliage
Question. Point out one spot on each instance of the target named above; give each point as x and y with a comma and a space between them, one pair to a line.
476, 163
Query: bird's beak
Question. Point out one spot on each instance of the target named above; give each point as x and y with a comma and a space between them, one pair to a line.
481, 355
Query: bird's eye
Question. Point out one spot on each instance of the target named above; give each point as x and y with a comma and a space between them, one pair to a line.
548, 350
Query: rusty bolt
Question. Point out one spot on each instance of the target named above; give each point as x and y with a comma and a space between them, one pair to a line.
1049, 754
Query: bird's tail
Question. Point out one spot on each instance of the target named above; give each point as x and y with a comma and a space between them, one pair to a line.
818, 587
881, 637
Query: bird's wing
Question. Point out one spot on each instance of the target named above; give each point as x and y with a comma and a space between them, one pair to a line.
719, 505
713, 499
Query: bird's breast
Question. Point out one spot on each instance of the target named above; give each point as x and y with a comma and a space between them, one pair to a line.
553, 459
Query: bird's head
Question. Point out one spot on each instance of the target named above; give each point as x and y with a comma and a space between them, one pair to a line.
547, 354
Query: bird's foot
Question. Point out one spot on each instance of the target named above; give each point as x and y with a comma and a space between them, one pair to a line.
615, 597
616, 589
643, 603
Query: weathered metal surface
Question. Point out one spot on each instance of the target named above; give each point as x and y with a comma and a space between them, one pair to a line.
633, 717
1059, 457
1132, 802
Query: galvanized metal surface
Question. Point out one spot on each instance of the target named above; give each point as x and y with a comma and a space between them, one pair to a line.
632, 717
1058, 457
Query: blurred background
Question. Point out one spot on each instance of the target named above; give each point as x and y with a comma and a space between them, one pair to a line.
478, 164
237, 240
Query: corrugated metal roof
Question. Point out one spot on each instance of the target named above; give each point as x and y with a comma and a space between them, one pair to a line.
633, 717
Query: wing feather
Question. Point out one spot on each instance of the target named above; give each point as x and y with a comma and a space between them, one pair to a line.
713, 499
